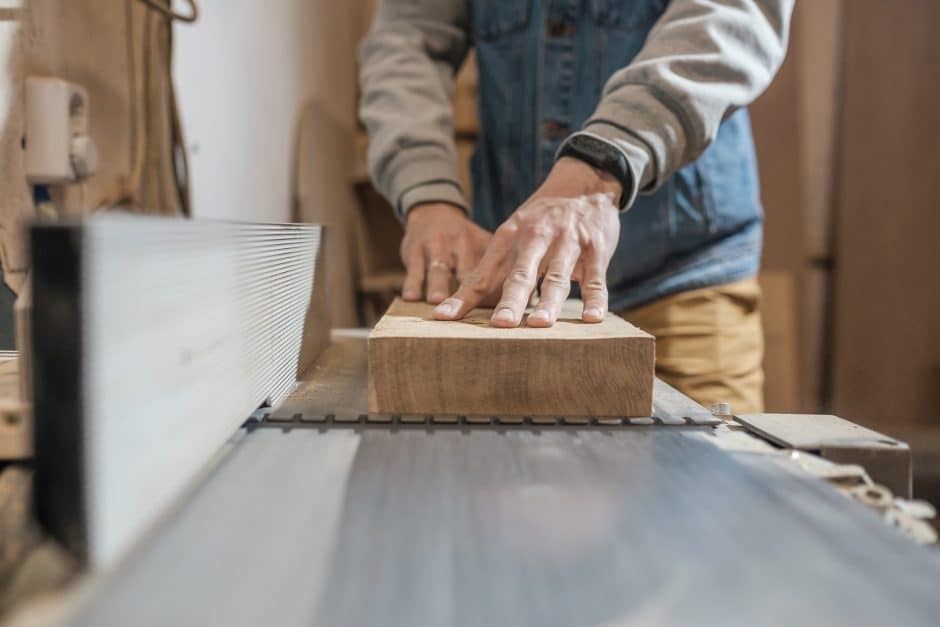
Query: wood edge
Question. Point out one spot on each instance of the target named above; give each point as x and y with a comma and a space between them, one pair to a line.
398, 303
16, 442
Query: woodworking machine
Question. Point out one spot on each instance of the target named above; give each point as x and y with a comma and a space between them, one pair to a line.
196, 484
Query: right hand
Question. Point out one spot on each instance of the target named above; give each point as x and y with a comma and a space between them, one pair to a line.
440, 241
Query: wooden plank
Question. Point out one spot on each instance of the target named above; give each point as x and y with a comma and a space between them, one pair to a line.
16, 436
18, 532
419, 365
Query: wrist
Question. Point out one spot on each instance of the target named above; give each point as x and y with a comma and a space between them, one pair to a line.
572, 177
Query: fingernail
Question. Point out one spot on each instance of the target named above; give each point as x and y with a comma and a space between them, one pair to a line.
593, 312
447, 308
504, 315
540, 315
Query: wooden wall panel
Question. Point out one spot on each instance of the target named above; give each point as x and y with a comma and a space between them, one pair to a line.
819, 50
781, 368
795, 128
324, 195
887, 292
775, 116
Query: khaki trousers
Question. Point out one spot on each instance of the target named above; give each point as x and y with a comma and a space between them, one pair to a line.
709, 343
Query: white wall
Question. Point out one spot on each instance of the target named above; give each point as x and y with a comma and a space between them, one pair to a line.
242, 74
8, 30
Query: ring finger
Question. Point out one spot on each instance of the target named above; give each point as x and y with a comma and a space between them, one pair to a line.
439, 270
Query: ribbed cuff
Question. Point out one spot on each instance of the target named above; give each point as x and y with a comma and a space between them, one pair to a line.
447, 192
428, 177
649, 131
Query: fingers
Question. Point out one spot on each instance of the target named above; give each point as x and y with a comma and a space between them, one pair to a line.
578, 273
439, 273
522, 278
467, 258
556, 285
580, 232
594, 288
414, 277
480, 282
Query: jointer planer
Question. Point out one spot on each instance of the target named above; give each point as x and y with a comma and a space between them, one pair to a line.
316, 512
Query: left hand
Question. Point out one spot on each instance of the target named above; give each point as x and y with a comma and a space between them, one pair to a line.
566, 231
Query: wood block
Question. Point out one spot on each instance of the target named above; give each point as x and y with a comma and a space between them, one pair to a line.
418, 365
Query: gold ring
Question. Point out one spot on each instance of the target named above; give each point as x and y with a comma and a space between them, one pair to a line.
438, 264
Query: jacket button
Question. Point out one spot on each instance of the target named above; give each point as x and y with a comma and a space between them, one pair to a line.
554, 130
560, 28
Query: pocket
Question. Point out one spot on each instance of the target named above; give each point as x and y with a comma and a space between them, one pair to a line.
627, 14
492, 19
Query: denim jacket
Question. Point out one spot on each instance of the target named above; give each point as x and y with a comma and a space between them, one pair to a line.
664, 81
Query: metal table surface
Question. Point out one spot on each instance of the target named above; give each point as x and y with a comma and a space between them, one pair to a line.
634, 526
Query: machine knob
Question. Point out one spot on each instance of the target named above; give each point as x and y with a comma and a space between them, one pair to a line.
84, 156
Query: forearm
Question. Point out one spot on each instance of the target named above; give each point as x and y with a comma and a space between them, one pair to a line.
702, 61
408, 62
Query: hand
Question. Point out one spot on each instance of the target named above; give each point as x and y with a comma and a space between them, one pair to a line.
566, 231
439, 239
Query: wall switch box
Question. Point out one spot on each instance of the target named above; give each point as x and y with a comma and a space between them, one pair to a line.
58, 146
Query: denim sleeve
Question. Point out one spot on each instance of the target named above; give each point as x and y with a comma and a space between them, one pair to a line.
702, 60
408, 62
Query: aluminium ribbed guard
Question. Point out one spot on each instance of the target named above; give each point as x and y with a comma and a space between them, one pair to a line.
153, 340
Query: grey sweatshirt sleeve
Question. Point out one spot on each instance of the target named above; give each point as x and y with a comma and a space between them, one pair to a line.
408, 63
703, 60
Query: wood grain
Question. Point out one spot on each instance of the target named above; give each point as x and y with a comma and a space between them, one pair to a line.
421, 365
886, 332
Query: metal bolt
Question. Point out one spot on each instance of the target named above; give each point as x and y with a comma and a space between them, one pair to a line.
721, 410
